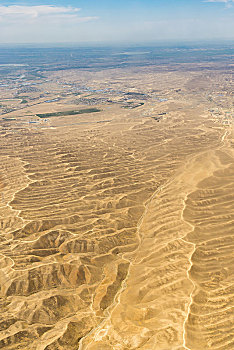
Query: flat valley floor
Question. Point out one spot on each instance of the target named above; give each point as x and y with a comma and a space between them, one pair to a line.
117, 225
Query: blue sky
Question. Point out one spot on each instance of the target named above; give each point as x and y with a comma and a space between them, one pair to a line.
84, 21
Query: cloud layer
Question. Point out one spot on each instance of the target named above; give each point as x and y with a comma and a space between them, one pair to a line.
228, 3
18, 13
62, 23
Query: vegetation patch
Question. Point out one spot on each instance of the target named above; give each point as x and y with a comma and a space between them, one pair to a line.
132, 105
66, 113
8, 119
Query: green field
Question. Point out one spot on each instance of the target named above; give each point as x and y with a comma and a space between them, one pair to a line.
66, 113
131, 105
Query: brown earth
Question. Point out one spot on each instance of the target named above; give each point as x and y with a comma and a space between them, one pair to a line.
116, 228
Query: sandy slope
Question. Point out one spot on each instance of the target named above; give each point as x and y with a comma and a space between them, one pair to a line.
178, 293
117, 235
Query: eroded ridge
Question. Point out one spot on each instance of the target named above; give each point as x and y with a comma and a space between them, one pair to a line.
155, 307
96, 242
210, 209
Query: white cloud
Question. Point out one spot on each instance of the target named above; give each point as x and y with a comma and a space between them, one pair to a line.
228, 3
224, 1
18, 13
43, 23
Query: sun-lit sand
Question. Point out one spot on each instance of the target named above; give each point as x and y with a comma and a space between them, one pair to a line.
116, 226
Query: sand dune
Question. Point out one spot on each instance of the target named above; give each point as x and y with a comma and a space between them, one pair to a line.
178, 289
118, 235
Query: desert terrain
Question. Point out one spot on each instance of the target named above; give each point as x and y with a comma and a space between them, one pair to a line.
116, 208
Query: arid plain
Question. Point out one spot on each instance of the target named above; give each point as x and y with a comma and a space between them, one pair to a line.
117, 223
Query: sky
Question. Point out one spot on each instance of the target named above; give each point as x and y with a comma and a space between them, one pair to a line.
115, 21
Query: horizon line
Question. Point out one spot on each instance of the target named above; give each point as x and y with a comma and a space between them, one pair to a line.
115, 43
